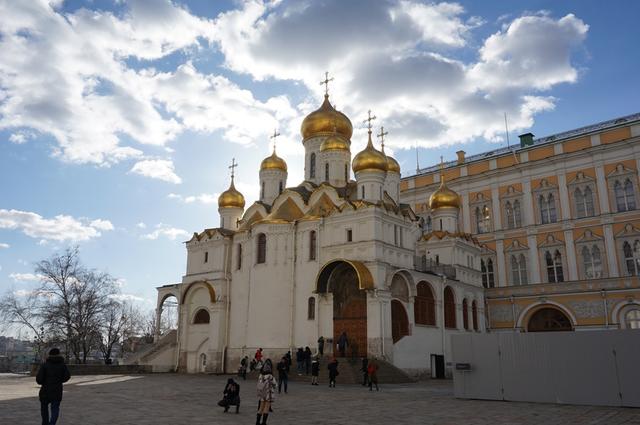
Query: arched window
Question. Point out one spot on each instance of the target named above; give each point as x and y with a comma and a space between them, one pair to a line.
312, 166
486, 269
206, 256
483, 219
554, 267
362, 191
625, 196
547, 209
542, 206
632, 257
517, 215
511, 223
346, 173
465, 314
424, 308
326, 171
428, 224
474, 315
201, 317
262, 248
239, 255
519, 269
592, 262
549, 319
584, 202
632, 319
588, 202
280, 187
399, 321
620, 198
311, 308
629, 196
449, 309
312, 245
262, 191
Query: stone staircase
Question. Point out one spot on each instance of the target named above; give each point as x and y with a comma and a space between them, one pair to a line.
349, 372
140, 357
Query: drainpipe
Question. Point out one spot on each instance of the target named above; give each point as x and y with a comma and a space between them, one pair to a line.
227, 306
606, 308
442, 331
382, 321
293, 284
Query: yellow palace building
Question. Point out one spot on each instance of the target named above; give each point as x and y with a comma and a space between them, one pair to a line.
558, 220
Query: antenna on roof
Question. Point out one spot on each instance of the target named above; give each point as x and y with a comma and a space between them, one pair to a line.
506, 129
417, 160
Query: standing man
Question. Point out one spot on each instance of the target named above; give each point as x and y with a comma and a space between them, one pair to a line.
321, 345
365, 371
283, 375
343, 342
51, 375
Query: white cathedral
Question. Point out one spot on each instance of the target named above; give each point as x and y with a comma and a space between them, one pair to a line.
327, 256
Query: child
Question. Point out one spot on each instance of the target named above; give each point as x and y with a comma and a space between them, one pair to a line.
315, 370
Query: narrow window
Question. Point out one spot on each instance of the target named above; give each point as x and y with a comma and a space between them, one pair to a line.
362, 191
544, 211
428, 225
262, 191
312, 245
262, 248
239, 256
312, 166
474, 315
490, 275
346, 173
395, 235
465, 314
326, 172
554, 267
510, 216
424, 308
552, 208
206, 256
311, 308
483, 273
580, 203
280, 187
449, 309
522, 261
517, 215
588, 202
620, 198
349, 235
629, 196
632, 257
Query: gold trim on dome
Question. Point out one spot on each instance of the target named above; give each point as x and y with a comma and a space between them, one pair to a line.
334, 143
392, 165
231, 198
273, 162
323, 120
444, 197
369, 159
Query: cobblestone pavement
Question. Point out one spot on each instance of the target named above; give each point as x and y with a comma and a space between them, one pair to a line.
191, 399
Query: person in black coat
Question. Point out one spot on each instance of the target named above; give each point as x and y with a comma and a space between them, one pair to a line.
283, 375
231, 395
333, 372
365, 371
307, 359
51, 375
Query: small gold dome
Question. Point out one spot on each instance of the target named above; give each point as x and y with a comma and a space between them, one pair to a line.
444, 197
323, 120
334, 143
392, 165
231, 198
273, 162
369, 159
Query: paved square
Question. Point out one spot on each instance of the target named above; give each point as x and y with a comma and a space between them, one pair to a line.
191, 399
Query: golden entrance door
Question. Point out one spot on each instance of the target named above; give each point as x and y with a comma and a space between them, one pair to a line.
349, 311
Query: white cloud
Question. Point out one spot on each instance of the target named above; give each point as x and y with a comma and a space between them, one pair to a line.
163, 230
126, 297
26, 277
141, 225
203, 198
21, 137
59, 228
161, 169
4, 245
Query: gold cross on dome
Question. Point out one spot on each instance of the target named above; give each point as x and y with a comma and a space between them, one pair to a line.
274, 136
369, 119
381, 136
326, 82
232, 167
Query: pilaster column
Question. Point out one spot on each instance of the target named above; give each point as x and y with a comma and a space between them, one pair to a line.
495, 203
564, 197
502, 281
466, 214
570, 248
534, 261
156, 334
610, 247
603, 193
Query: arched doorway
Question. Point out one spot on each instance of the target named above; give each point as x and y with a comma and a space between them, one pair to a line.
549, 319
347, 281
399, 321
202, 363
168, 317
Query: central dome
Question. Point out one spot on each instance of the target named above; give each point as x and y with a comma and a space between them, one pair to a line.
231, 198
323, 120
444, 197
369, 159
273, 162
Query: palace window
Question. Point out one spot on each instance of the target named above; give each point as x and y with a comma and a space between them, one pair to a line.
592, 262
632, 319
486, 269
547, 209
312, 166
632, 258
201, 317
584, 202
424, 307
483, 219
514, 216
519, 270
311, 308
625, 197
206, 256
312, 245
554, 267
239, 256
449, 308
262, 248
465, 314
474, 315
349, 235
326, 172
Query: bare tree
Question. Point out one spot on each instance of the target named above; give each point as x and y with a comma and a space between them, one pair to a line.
114, 322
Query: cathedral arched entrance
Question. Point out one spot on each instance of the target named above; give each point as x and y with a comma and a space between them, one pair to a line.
348, 282
549, 319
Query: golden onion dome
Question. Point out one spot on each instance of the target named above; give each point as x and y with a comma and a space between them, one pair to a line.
231, 198
369, 159
323, 120
334, 143
444, 197
273, 162
392, 165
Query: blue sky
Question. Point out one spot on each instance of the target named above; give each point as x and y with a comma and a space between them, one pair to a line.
118, 119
